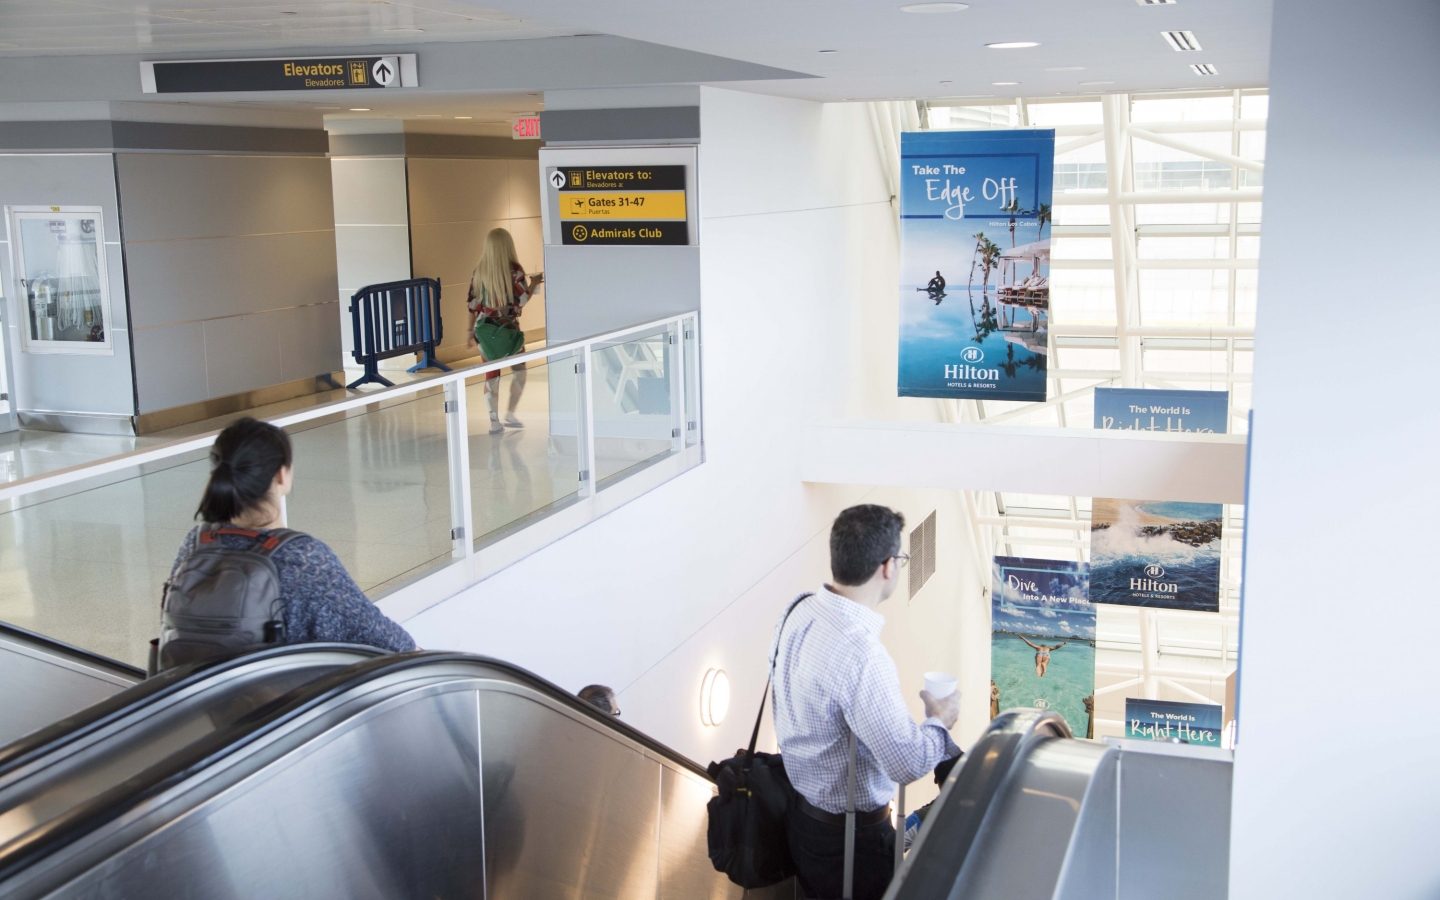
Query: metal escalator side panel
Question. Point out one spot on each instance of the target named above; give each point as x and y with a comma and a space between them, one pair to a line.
46, 680
1020, 852
966, 803
1089, 868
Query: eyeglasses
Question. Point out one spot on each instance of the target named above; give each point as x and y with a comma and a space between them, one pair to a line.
902, 558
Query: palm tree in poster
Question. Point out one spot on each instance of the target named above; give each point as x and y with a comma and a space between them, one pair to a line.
1013, 208
989, 255
970, 288
1044, 216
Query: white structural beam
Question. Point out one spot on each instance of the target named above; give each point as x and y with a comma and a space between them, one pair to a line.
1184, 146
1202, 468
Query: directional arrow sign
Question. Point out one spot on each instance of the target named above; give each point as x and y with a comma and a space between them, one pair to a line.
384, 72
557, 178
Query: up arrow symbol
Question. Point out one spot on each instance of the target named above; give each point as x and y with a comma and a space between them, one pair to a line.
383, 73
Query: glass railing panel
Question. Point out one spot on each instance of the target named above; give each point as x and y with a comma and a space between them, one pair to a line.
630, 394
86, 563
520, 471
374, 484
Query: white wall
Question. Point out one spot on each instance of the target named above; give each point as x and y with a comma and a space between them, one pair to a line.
796, 234
1335, 789
372, 233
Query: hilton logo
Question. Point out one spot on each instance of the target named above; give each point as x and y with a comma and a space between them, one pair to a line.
1154, 571
1150, 584
972, 355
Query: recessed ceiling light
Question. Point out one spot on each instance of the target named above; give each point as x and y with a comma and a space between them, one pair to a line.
464, 117
1094, 83
359, 109
934, 7
1012, 45
829, 51
1203, 69
1066, 69
1003, 83
1181, 40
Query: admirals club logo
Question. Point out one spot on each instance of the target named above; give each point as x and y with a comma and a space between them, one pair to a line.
968, 371
1152, 584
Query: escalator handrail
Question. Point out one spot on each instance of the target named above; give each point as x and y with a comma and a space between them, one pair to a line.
222, 743
988, 769
172, 681
77, 654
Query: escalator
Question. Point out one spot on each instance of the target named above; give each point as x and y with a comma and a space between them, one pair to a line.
445, 775
415, 775
45, 680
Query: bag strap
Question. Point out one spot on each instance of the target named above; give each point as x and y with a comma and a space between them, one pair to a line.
848, 890
267, 542
755, 732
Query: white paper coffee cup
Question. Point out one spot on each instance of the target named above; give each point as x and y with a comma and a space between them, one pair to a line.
940, 685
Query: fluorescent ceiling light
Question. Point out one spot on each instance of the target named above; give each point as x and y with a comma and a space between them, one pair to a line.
1012, 45
1003, 83
934, 7
1203, 69
464, 117
359, 109
1181, 40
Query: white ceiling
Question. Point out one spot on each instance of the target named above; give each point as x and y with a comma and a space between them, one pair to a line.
1086, 46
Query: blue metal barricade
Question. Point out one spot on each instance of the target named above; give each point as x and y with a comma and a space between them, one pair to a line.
394, 319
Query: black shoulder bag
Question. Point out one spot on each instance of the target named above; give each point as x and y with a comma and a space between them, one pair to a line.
747, 835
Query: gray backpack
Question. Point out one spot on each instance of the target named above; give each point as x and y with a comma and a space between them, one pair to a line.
222, 601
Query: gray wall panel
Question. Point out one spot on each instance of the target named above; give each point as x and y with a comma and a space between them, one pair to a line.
369, 191
591, 292
458, 190
242, 353
169, 196
450, 251
372, 254
524, 188
64, 382
309, 340
180, 281
636, 124
170, 365
468, 146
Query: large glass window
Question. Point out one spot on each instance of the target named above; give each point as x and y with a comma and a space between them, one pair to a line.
62, 295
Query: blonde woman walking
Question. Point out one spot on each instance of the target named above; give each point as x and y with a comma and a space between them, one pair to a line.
499, 289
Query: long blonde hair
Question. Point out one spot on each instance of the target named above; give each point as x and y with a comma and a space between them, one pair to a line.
493, 282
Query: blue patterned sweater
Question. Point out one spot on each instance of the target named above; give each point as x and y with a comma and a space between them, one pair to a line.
321, 601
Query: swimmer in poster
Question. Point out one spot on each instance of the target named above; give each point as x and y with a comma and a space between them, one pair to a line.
975, 263
1042, 639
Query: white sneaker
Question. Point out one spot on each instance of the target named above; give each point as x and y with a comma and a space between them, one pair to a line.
495, 426
512, 422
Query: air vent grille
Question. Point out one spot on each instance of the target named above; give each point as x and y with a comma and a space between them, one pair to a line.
1203, 69
1181, 40
922, 554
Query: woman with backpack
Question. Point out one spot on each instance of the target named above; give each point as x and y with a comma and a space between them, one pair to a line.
242, 581
499, 289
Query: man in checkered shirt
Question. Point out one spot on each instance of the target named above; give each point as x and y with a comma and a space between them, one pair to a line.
832, 677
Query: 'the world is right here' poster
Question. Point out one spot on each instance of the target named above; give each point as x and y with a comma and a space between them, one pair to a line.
1042, 639
975, 263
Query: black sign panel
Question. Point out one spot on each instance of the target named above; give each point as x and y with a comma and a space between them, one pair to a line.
318, 74
625, 233
622, 178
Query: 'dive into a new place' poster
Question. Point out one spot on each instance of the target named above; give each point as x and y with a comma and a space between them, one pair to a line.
1042, 639
975, 263
1155, 553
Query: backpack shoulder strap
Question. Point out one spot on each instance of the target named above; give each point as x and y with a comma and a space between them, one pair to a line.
266, 542
276, 538
755, 732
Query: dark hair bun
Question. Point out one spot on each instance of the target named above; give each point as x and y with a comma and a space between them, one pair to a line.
243, 463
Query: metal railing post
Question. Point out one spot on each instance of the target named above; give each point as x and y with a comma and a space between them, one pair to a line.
585, 426
690, 328
675, 364
899, 827
457, 451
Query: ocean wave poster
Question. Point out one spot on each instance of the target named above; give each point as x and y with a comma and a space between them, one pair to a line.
1155, 553
1042, 639
975, 263
1151, 409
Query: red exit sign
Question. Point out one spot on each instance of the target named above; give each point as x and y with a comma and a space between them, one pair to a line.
525, 128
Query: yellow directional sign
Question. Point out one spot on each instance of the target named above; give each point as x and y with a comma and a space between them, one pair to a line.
623, 205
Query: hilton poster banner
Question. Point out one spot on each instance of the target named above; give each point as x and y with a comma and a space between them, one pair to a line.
1154, 553
975, 263
1042, 639
1148, 409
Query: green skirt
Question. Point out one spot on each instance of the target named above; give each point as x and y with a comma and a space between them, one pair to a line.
498, 342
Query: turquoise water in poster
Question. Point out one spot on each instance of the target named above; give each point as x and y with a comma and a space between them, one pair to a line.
975, 263
1166, 720
1042, 637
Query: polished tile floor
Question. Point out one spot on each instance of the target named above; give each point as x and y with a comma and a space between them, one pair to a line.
88, 567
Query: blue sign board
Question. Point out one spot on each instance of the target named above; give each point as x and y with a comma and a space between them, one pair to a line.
975, 263
1042, 639
1142, 409
1165, 720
